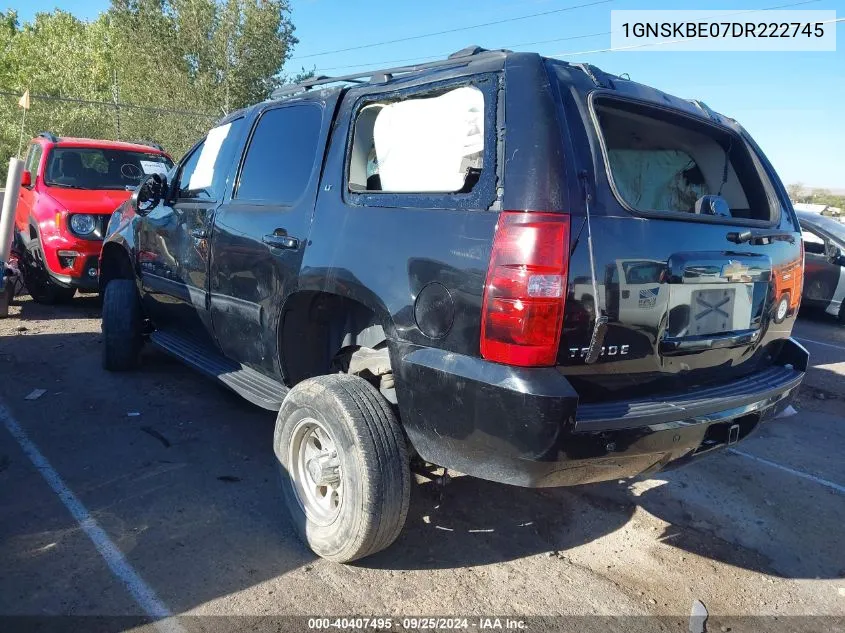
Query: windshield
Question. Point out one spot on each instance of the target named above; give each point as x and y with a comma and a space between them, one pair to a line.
829, 225
101, 168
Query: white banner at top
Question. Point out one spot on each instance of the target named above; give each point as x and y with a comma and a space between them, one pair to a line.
728, 30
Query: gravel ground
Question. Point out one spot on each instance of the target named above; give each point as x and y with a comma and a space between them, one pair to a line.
180, 475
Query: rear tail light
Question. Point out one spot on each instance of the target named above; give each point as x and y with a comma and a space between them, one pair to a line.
525, 294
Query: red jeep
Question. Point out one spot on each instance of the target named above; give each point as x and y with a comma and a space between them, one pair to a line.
70, 188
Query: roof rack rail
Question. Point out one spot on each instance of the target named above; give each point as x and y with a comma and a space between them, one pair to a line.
384, 75
705, 109
49, 136
152, 144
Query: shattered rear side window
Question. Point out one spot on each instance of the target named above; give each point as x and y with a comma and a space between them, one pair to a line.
431, 143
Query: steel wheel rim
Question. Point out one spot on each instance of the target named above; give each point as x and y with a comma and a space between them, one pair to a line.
316, 474
782, 309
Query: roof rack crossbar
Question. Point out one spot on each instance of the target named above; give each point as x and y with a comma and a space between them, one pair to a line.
381, 76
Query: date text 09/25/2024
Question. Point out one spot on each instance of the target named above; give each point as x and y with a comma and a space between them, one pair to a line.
418, 623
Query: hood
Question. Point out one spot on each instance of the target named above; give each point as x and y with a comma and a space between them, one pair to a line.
99, 201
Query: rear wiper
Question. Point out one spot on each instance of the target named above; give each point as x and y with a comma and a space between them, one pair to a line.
757, 237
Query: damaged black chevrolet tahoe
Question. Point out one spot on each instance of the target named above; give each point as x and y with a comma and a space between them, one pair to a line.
519, 268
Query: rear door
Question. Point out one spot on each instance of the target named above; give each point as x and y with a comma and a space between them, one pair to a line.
689, 225
260, 234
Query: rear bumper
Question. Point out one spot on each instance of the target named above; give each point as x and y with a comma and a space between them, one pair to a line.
524, 427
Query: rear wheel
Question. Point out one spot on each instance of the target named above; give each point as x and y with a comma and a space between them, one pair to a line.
122, 338
782, 308
37, 280
345, 473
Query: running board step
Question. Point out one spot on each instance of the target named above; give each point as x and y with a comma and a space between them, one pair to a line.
248, 383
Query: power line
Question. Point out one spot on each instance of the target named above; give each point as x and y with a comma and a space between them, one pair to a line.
456, 30
562, 39
110, 104
442, 55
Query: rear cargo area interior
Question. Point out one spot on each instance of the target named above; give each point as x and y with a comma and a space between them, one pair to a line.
664, 162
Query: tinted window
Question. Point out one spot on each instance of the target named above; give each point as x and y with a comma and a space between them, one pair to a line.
101, 168
203, 174
280, 157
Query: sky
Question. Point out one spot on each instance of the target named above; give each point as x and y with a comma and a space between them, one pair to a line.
792, 103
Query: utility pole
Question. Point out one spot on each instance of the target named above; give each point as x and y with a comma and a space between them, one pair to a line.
115, 90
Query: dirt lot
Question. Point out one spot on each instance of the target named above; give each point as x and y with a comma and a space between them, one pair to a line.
179, 475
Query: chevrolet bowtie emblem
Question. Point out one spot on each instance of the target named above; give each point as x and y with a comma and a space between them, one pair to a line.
736, 271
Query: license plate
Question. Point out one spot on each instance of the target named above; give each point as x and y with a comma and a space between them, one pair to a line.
712, 311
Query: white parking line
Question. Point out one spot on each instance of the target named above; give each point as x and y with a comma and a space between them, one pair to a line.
797, 473
809, 340
143, 594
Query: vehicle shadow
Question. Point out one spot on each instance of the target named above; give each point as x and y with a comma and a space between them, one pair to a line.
81, 306
471, 522
181, 475
179, 472
817, 315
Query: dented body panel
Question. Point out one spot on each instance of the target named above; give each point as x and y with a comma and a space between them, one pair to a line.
407, 271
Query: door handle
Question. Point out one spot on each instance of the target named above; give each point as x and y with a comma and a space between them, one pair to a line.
200, 233
278, 240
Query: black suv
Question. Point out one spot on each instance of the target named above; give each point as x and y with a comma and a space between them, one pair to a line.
519, 268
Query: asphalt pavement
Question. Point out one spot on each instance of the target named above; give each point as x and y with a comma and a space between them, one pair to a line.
155, 493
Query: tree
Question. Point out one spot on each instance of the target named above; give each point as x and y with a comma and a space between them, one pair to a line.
217, 56
795, 191
208, 57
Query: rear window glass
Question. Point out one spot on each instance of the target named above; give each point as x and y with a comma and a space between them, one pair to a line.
430, 143
668, 163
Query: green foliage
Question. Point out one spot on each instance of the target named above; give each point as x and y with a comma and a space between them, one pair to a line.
198, 59
799, 193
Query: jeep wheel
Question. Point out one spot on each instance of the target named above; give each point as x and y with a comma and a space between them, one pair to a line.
345, 472
121, 326
38, 284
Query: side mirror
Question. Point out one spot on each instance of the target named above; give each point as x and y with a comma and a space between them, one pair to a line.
26, 179
149, 194
833, 253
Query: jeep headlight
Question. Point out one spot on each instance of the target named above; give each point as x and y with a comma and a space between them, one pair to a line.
82, 223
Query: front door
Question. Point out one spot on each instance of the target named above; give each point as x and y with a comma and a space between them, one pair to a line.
174, 239
260, 233
27, 195
821, 276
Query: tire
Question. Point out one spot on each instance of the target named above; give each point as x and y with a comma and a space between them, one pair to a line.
37, 280
842, 313
122, 339
372, 468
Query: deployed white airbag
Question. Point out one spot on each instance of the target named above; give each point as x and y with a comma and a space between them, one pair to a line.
428, 144
655, 179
